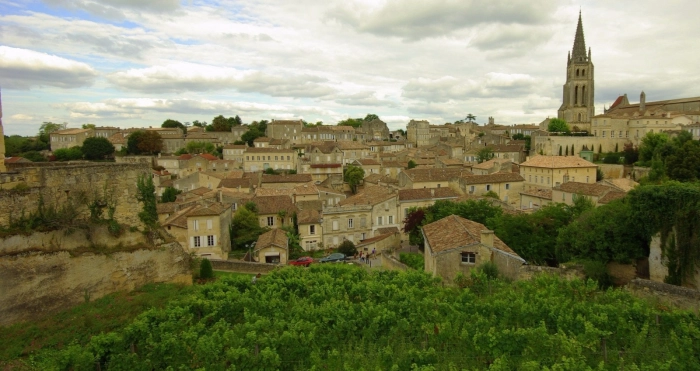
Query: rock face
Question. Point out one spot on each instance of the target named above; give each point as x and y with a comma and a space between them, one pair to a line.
45, 272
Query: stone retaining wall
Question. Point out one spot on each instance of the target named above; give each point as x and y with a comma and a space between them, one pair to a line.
681, 297
391, 263
241, 266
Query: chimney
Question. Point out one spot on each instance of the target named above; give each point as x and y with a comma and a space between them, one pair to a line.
487, 238
642, 102
294, 198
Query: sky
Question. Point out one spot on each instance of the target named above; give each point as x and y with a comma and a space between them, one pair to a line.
136, 63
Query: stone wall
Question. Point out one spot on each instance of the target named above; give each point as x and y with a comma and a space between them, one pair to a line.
46, 272
241, 266
611, 171
527, 272
59, 185
389, 262
150, 161
681, 297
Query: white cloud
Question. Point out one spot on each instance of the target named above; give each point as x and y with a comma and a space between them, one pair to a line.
365, 99
21, 117
23, 69
117, 9
451, 88
182, 77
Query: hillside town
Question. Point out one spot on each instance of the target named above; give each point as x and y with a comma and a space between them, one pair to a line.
580, 189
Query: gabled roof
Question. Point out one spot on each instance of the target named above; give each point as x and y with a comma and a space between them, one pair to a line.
557, 162
454, 232
367, 162
274, 237
539, 193
374, 239
308, 216
213, 210
493, 178
426, 194
207, 156
486, 165
274, 204
234, 183
235, 146
371, 195
428, 175
286, 178
585, 189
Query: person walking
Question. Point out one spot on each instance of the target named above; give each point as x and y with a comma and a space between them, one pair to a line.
255, 278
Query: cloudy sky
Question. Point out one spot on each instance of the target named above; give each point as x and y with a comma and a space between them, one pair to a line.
138, 62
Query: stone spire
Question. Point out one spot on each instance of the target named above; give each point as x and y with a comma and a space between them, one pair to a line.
579, 53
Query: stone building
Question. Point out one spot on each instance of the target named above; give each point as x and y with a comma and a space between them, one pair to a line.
455, 245
272, 247
285, 129
550, 171
260, 159
418, 133
375, 129
68, 138
577, 106
506, 185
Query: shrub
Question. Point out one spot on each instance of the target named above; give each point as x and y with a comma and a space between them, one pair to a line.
205, 270
414, 261
489, 269
348, 248
597, 271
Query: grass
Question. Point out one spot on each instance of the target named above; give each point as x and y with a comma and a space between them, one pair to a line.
222, 274
81, 322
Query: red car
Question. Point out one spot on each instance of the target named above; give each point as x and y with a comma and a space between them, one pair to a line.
303, 261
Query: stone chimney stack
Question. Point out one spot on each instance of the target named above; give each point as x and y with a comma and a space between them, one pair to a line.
487, 238
642, 102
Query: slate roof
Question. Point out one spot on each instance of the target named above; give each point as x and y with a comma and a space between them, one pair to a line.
454, 231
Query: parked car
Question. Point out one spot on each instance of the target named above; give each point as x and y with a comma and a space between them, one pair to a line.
304, 261
337, 257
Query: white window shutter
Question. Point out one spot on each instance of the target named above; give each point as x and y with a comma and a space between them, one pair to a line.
214, 240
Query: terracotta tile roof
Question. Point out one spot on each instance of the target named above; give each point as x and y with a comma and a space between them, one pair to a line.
274, 204
276, 237
490, 163
213, 209
269, 150
286, 178
454, 232
386, 230
539, 193
610, 196
231, 174
386, 164
426, 194
427, 175
261, 140
493, 178
371, 195
622, 184
185, 156
207, 156
310, 204
506, 147
452, 161
325, 166
166, 208
166, 183
329, 190
367, 161
214, 174
349, 145
374, 239
15, 159
586, 189
308, 216
557, 162
198, 191
234, 183
118, 138
179, 219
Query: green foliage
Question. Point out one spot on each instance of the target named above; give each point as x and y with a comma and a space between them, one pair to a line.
169, 195
596, 270
97, 148
411, 164
415, 261
221, 123
356, 123
205, 270
612, 158
470, 117
144, 142
147, 196
371, 117
491, 194
16, 145
245, 228
599, 174
558, 126
353, 175
348, 248
484, 154
489, 269
174, 124
650, 143
255, 130
68, 154
631, 153
339, 317
271, 171
673, 210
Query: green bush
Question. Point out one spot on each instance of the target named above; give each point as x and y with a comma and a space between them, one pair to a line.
489, 269
348, 248
414, 261
205, 270
597, 271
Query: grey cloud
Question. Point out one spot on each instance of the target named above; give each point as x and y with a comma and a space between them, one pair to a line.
114, 9
418, 19
515, 39
115, 45
367, 98
23, 69
449, 88
181, 78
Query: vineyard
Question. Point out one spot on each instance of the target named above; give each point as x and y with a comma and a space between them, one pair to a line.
343, 318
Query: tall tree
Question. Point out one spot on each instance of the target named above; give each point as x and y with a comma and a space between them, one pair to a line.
245, 228
143, 142
174, 124
169, 195
47, 128
97, 148
558, 126
353, 175
650, 144
470, 117
371, 116
200, 147
89, 126
484, 154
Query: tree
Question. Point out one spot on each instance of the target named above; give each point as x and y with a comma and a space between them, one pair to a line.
348, 248
356, 123
221, 123
144, 142
49, 127
684, 163
599, 174
411, 164
169, 195
199, 124
174, 124
68, 154
146, 194
353, 175
558, 126
245, 228
89, 126
271, 171
470, 117
484, 154
205, 270
631, 153
567, 151
650, 144
200, 147
34, 156
97, 148
560, 151
371, 116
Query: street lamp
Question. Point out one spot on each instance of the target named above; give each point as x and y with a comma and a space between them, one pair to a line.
250, 250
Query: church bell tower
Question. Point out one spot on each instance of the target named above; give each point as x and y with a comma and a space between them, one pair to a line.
577, 107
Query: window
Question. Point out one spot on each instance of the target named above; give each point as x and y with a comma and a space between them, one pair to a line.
195, 225
612, 133
350, 223
488, 187
234, 206
405, 212
270, 221
620, 136
335, 225
363, 222
391, 219
209, 223
507, 186
210, 240
603, 133
468, 258
380, 220
471, 188
196, 242
312, 229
